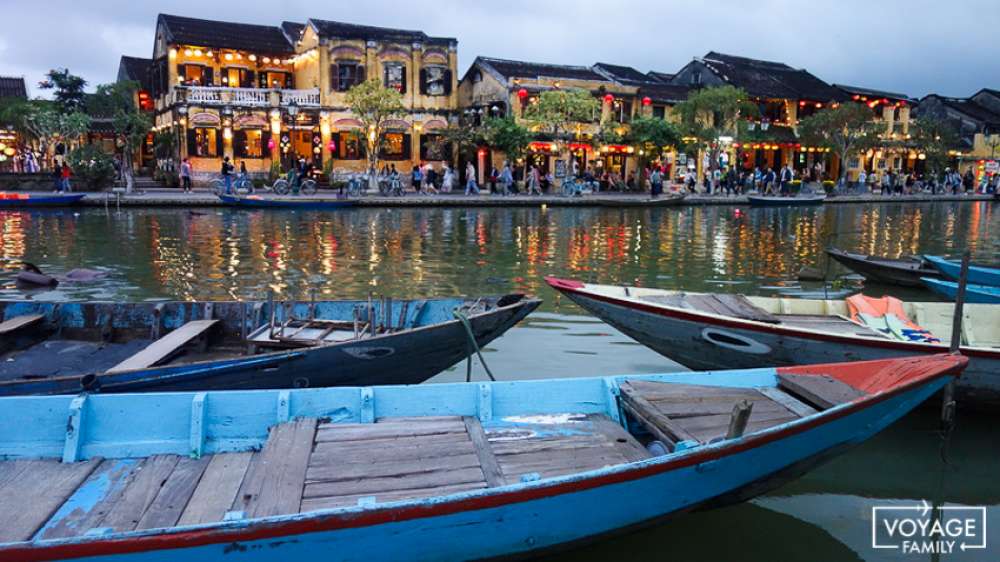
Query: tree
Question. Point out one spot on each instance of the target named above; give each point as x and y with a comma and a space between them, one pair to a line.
650, 137
68, 88
556, 110
846, 129
506, 135
711, 114
374, 104
131, 126
44, 122
935, 137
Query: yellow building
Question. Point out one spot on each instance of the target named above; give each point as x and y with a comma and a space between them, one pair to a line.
977, 121
263, 95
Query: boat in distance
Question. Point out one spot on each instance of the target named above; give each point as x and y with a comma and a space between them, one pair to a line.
777, 201
29, 200
303, 203
444, 471
887, 271
705, 331
66, 348
978, 274
981, 294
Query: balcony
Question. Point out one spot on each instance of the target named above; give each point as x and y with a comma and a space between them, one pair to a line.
245, 97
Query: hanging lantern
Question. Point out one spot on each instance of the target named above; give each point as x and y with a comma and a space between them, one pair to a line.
608, 98
270, 144
522, 93
331, 145
647, 101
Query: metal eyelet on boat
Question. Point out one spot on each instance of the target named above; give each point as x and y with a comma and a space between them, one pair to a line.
301, 382
733, 341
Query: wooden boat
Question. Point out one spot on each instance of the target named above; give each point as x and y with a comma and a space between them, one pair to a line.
709, 331
19, 200
665, 200
305, 203
774, 201
983, 294
60, 348
443, 472
978, 275
888, 271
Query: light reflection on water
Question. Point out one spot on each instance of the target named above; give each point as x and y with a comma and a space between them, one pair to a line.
203, 254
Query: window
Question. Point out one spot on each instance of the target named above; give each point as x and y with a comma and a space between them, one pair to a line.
623, 111
272, 79
350, 146
660, 111
238, 78
195, 75
395, 76
434, 147
204, 142
395, 146
696, 78
248, 143
435, 81
344, 75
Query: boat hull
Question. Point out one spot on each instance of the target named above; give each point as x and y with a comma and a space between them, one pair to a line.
522, 518
978, 275
905, 273
706, 342
406, 357
302, 203
978, 294
42, 201
757, 201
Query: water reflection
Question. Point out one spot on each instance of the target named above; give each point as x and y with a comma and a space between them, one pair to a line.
176, 253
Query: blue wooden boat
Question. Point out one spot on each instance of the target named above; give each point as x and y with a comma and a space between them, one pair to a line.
60, 348
978, 275
304, 203
28, 200
774, 201
981, 294
442, 472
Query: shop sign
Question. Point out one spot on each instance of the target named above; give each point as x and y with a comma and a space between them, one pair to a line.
250, 121
204, 119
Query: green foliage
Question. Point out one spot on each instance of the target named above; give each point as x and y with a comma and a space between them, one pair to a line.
715, 112
274, 173
373, 104
556, 110
92, 167
935, 138
652, 136
506, 135
69, 95
845, 129
131, 126
164, 145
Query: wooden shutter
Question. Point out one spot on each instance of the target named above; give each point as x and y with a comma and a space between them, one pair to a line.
447, 81
423, 81
407, 147
334, 77
360, 74
219, 146
288, 81
192, 141
208, 74
402, 74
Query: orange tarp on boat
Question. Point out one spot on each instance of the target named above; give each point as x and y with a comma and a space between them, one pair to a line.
886, 315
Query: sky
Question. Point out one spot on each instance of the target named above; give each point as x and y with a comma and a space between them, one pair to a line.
913, 47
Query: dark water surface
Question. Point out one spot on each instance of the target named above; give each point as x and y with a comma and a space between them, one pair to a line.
826, 515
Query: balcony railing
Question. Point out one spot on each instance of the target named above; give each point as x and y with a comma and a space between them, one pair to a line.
246, 97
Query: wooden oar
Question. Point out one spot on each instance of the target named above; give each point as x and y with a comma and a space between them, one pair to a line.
948, 406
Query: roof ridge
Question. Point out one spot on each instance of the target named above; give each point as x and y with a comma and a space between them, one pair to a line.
497, 59
202, 20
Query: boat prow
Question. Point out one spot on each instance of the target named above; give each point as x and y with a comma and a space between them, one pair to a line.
300, 202
27, 200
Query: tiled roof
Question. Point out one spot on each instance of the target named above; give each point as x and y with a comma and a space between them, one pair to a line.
660, 76
972, 109
343, 30
664, 93
292, 30
12, 87
770, 79
135, 68
621, 73
225, 35
856, 90
533, 70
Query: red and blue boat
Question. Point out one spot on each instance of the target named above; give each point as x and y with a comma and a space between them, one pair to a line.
27, 200
302, 203
443, 472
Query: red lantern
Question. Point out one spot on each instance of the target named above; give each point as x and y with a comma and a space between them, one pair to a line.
522, 93
270, 144
647, 101
608, 98
332, 145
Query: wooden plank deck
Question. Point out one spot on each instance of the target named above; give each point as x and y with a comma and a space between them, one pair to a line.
304, 466
19, 323
164, 347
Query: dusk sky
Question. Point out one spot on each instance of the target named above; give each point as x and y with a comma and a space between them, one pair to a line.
913, 47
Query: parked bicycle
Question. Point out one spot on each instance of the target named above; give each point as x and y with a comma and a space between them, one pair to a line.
572, 187
390, 187
241, 185
356, 184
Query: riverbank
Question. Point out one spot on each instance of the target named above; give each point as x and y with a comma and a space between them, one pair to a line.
205, 198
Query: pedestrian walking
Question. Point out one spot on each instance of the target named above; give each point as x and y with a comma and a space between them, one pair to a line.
64, 175
862, 181
57, 177
655, 183
185, 175
534, 181
470, 180
447, 179
506, 179
417, 179
227, 175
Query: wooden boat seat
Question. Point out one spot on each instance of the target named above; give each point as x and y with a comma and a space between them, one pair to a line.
19, 323
305, 333
736, 306
827, 323
820, 391
163, 348
685, 412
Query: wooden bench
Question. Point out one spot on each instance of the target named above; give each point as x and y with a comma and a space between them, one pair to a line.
164, 347
19, 323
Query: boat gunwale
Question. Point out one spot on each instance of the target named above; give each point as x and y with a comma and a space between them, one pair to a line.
732, 322
349, 517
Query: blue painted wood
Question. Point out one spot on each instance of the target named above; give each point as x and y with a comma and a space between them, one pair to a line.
42, 201
485, 409
978, 275
977, 294
284, 406
303, 204
197, 440
241, 419
611, 396
74, 429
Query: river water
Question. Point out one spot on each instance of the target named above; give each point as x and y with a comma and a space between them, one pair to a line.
165, 253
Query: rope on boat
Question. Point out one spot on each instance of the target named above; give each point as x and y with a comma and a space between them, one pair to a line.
474, 345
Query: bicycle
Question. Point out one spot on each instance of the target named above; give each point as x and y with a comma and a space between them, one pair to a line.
239, 185
356, 185
572, 188
284, 187
391, 187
